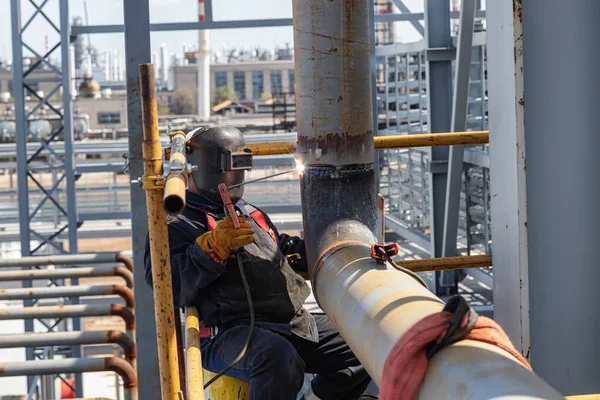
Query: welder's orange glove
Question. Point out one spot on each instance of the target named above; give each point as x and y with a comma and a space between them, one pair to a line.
225, 238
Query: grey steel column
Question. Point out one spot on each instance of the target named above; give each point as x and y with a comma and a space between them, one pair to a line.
137, 51
439, 115
459, 123
69, 160
21, 139
563, 190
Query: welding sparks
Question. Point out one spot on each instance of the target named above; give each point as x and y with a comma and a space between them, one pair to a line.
299, 166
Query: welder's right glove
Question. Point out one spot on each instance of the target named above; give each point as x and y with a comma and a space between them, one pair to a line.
225, 238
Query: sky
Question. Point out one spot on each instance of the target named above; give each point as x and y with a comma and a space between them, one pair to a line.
102, 12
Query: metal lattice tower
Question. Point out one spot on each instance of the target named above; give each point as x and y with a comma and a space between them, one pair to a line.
46, 177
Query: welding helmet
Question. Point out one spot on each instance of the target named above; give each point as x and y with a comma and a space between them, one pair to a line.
220, 156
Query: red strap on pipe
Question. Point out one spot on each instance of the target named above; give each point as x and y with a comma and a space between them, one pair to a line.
406, 365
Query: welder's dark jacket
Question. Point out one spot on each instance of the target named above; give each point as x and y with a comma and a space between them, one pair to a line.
216, 289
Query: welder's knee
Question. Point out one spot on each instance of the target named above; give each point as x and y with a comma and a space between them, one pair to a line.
279, 358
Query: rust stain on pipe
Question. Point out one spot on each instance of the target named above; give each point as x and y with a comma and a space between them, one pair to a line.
125, 313
125, 371
125, 293
124, 341
128, 262
126, 274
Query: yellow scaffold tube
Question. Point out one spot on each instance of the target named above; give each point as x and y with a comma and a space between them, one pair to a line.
431, 139
272, 148
388, 142
193, 358
159, 246
446, 263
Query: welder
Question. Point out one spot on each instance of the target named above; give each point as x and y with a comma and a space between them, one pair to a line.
286, 341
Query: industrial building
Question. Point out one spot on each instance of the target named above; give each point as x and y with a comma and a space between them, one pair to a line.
455, 147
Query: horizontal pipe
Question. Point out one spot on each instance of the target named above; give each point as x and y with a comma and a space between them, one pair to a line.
74, 366
68, 259
70, 339
387, 142
272, 148
431, 139
65, 273
70, 311
68, 291
447, 263
373, 307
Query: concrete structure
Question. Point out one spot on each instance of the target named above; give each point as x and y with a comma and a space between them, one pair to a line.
250, 80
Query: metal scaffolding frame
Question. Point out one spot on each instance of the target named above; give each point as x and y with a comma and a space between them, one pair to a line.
60, 166
416, 192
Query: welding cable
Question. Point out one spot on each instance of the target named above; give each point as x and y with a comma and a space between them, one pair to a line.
250, 330
401, 269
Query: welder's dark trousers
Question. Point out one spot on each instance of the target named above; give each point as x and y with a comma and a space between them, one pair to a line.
274, 364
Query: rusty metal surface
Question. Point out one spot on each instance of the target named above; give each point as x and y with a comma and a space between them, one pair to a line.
66, 259
193, 359
80, 272
333, 88
68, 291
69, 339
70, 311
332, 198
75, 365
159, 246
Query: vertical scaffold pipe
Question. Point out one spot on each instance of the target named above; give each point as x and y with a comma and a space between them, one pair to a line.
372, 305
159, 246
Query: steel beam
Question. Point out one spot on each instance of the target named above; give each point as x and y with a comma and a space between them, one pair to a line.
563, 228
137, 48
460, 104
439, 118
507, 182
257, 23
415, 23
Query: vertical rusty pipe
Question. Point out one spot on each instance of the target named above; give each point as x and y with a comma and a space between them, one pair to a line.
159, 246
372, 305
193, 359
335, 124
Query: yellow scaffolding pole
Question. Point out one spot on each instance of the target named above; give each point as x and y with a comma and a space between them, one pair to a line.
193, 358
153, 183
431, 139
388, 142
447, 263
272, 148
